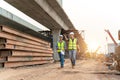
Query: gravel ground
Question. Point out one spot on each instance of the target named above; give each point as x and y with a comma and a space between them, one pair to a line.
84, 70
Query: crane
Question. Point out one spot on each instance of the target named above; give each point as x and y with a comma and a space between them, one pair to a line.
111, 37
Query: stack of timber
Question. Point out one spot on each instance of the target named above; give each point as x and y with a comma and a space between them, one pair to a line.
20, 49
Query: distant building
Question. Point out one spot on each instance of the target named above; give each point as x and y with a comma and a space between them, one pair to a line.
111, 48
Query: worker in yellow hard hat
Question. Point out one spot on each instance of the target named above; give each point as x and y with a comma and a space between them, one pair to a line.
61, 50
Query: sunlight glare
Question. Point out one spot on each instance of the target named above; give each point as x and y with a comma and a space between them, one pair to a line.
93, 46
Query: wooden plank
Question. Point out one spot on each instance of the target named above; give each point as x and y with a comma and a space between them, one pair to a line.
18, 33
17, 64
18, 38
13, 42
23, 53
28, 58
16, 47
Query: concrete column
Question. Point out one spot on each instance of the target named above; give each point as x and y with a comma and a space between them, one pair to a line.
55, 33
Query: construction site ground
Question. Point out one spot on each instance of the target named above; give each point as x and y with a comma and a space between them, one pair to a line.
85, 70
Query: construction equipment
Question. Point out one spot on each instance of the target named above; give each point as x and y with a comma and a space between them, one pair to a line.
119, 35
115, 57
111, 37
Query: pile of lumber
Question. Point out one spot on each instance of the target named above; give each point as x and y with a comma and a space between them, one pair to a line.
20, 49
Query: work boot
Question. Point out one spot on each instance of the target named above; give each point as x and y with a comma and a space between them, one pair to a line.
61, 67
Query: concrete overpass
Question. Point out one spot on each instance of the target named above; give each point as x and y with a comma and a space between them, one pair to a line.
47, 12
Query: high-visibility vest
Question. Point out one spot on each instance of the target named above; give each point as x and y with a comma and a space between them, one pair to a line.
72, 45
61, 46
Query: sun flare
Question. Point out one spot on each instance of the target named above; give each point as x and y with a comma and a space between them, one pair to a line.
92, 46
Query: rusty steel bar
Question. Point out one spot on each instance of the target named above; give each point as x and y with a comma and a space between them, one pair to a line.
28, 58
2, 46
2, 40
17, 38
21, 34
16, 47
13, 42
3, 59
5, 53
1, 64
19, 49
17, 64
24, 53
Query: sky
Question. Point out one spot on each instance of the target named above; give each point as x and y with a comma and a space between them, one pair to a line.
94, 16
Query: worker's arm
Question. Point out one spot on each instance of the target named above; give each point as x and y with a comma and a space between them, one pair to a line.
78, 48
65, 46
65, 37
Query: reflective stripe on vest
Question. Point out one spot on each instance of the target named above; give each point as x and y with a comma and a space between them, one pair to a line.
60, 46
72, 44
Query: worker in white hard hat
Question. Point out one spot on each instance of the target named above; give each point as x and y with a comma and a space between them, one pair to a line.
61, 50
72, 47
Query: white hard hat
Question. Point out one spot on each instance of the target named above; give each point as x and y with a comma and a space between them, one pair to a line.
60, 35
72, 33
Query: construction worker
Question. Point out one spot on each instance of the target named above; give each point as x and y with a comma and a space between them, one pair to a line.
61, 50
72, 47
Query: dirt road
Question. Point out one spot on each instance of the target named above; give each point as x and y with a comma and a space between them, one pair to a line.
84, 70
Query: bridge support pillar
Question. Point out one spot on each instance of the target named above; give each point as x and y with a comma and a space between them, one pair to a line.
55, 33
